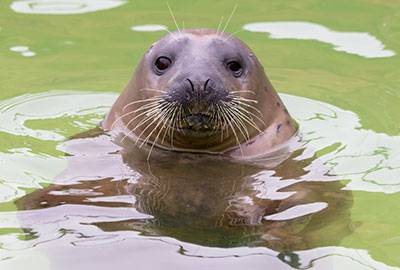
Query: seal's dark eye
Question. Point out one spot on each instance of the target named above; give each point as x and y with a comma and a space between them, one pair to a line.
162, 63
235, 67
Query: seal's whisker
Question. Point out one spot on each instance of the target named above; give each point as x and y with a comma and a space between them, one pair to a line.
230, 17
170, 121
159, 132
167, 127
172, 34
144, 141
248, 119
223, 124
220, 123
173, 17
221, 120
243, 91
154, 90
242, 119
153, 115
232, 118
253, 115
242, 128
160, 120
142, 101
243, 99
251, 123
233, 131
173, 126
150, 105
181, 120
213, 117
162, 114
208, 109
119, 118
247, 110
219, 25
247, 106
146, 107
149, 114
232, 34
228, 121
169, 117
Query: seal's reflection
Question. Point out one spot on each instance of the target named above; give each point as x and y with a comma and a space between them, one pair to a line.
215, 202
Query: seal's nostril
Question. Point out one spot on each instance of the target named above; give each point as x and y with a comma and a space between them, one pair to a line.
191, 84
205, 86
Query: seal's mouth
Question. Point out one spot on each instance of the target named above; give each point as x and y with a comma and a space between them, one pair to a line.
197, 122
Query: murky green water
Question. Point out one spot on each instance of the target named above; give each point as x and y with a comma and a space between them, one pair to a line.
338, 76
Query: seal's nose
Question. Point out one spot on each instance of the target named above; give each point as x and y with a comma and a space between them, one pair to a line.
204, 90
199, 89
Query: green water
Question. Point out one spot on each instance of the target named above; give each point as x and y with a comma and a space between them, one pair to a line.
97, 52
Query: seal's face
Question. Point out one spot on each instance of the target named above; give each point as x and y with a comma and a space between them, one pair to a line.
193, 72
197, 90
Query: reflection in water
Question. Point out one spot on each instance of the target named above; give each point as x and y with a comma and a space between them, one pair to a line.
63, 7
24, 50
293, 215
369, 160
362, 44
195, 199
201, 200
149, 28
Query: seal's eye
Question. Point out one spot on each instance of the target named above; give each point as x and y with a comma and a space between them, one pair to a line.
235, 67
161, 64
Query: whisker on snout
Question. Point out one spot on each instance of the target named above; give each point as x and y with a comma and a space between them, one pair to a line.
159, 118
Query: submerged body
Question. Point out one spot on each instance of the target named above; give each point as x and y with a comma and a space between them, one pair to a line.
196, 198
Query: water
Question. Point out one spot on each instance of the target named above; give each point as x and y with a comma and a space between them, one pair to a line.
79, 203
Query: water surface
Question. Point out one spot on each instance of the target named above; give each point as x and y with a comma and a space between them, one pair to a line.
80, 203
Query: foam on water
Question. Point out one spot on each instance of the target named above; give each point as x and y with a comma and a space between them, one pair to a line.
362, 44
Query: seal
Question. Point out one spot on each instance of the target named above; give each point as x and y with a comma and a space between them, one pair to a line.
195, 91
202, 91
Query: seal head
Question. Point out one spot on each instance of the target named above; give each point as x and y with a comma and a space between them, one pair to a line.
201, 91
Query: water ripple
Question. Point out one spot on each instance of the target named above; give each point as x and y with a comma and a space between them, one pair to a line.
370, 160
362, 44
370, 164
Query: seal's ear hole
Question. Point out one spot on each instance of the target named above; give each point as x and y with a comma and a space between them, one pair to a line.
235, 67
161, 64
